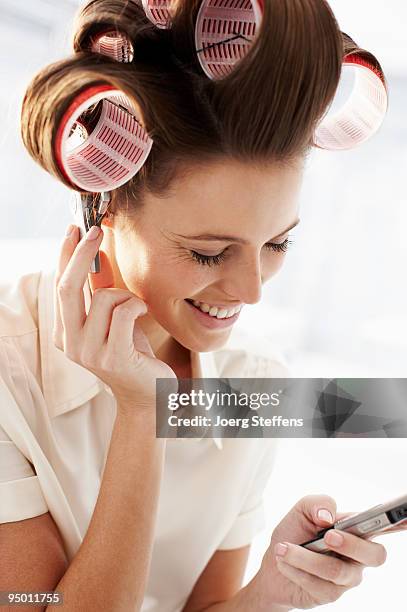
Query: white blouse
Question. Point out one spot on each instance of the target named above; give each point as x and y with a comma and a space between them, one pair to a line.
56, 421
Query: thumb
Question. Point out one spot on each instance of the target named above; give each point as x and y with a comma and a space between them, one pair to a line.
320, 509
105, 277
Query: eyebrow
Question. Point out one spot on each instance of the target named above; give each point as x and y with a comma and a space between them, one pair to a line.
224, 238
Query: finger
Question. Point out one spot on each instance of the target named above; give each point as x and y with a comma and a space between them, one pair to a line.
125, 336
104, 278
363, 551
67, 248
399, 527
70, 288
98, 322
319, 509
326, 567
319, 590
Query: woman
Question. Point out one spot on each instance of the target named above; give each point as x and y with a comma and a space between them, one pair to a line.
94, 506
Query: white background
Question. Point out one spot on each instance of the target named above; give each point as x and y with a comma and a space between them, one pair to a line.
338, 307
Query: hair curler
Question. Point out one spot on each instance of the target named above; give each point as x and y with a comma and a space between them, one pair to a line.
115, 45
100, 142
158, 12
363, 112
224, 32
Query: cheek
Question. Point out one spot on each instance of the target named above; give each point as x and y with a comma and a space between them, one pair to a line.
160, 281
273, 265
133, 263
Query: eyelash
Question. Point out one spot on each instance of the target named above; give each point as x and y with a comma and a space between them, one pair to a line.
216, 260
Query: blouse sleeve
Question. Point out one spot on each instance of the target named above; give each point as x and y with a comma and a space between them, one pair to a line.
21, 496
20, 492
251, 518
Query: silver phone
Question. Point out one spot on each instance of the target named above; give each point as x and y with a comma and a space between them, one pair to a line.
364, 524
89, 209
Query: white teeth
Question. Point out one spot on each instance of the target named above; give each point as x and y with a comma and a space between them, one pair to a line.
222, 314
232, 312
214, 311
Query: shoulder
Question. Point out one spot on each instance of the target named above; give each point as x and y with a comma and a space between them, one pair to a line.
19, 305
248, 355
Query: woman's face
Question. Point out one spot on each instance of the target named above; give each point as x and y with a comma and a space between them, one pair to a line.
154, 253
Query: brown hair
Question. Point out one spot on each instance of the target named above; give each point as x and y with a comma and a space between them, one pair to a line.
266, 110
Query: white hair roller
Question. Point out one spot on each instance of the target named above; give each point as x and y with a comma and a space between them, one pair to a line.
362, 114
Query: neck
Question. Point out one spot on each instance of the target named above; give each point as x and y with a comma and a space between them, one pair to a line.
165, 347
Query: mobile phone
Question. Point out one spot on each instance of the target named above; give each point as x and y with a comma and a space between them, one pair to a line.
89, 209
364, 524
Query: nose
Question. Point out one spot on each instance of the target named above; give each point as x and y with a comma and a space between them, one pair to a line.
248, 281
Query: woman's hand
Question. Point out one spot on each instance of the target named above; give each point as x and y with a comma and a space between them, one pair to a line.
106, 341
305, 579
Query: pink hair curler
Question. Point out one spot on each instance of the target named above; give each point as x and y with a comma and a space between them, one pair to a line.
224, 32
104, 156
115, 45
158, 12
100, 142
363, 112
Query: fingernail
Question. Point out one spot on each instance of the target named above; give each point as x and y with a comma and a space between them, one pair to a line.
70, 230
325, 515
333, 538
93, 233
281, 549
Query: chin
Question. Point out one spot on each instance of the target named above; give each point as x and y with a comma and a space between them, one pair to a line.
204, 344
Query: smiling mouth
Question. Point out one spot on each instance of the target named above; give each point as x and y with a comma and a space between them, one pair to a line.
229, 318
200, 301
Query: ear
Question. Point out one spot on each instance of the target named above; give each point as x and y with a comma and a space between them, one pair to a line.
107, 220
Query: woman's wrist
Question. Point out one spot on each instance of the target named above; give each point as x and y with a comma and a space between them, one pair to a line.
247, 599
253, 597
140, 417
135, 409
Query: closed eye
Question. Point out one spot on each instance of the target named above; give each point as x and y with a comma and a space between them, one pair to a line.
216, 260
